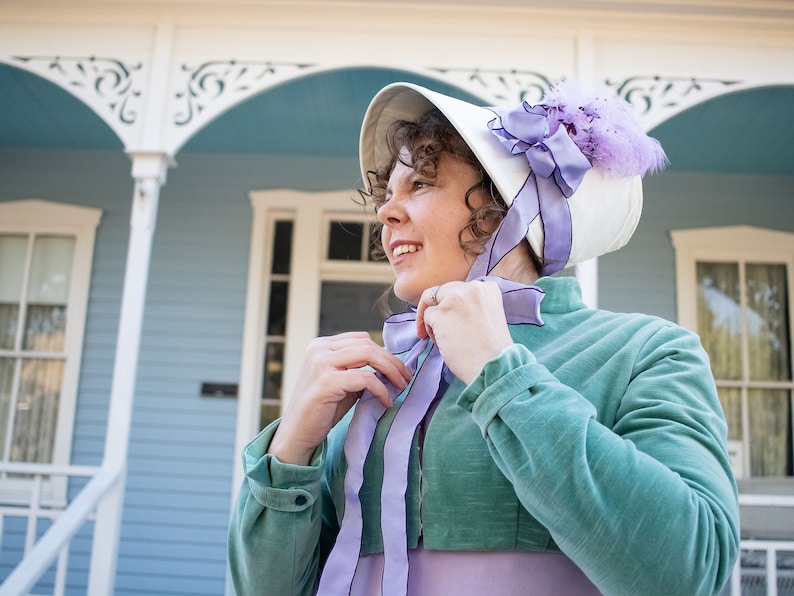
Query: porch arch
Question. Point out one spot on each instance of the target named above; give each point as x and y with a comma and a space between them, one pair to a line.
317, 113
744, 131
40, 113
474, 85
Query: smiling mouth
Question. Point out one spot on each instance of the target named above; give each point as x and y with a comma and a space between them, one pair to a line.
405, 248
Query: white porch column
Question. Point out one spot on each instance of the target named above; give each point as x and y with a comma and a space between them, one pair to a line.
587, 274
149, 172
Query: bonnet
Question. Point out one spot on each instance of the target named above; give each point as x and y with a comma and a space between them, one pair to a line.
569, 169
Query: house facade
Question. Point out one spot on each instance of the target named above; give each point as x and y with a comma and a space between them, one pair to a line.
178, 219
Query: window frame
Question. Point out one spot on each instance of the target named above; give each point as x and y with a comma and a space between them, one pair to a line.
39, 217
741, 245
310, 213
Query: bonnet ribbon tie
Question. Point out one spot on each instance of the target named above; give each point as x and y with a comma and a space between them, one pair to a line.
557, 169
522, 305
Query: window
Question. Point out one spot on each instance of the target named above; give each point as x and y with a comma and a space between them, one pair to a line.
310, 273
349, 298
347, 302
735, 290
280, 231
45, 262
351, 240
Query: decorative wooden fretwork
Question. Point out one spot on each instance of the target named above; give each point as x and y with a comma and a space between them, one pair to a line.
499, 86
227, 81
106, 82
658, 93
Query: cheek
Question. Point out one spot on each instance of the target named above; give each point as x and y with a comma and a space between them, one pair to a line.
454, 228
450, 242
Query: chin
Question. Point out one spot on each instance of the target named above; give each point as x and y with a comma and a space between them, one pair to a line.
406, 295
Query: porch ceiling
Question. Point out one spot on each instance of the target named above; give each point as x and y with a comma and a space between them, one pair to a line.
747, 132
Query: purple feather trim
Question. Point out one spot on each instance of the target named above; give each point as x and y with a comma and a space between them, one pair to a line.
605, 130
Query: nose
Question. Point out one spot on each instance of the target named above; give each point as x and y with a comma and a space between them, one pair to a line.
392, 212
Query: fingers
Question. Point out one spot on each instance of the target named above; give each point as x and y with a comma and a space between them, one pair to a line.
434, 296
334, 372
356, 350
430, 298
357, 381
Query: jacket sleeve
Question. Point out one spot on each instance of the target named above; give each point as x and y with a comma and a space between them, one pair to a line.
644, 505
274, 534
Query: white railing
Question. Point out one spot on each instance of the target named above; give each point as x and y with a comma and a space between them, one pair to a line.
762, 574
39, 555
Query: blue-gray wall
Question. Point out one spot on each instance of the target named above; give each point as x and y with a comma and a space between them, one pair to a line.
641, 276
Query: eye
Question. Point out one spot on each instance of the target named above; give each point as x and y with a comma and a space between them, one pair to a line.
420, 183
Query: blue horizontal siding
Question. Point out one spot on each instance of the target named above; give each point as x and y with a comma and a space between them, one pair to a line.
78, 556
184, 452
167, 585
178, 516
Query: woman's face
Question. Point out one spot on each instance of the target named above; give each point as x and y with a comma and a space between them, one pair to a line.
422, 219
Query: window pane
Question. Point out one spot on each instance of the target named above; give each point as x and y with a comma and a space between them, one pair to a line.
768, 323
277, 315
12, 272
6, 382
351, 306
770, 432
45, 328
274, 368
9, 319
345, 240
731, 401
719, 317
282, 247
51, 270
37, 411
268, 413
12, 267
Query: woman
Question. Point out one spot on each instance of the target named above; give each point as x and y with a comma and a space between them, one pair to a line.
518, 442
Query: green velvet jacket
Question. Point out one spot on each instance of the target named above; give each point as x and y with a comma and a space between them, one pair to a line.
598, 434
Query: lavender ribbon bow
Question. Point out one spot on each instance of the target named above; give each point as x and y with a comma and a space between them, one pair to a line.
522, 305
557, 168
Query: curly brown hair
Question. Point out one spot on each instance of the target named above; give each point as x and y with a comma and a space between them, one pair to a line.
425, 140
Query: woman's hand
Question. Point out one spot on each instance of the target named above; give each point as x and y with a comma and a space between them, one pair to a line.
467, 322
331, 378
